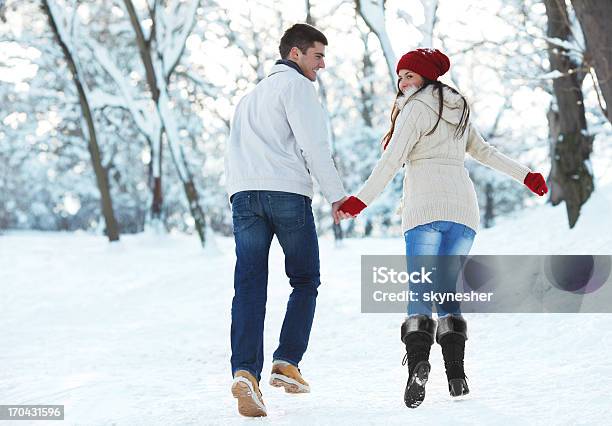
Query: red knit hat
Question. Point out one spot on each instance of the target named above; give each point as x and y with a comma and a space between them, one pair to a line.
430, 63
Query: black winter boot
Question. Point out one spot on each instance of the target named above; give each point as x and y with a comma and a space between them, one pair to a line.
418, 336
451, 335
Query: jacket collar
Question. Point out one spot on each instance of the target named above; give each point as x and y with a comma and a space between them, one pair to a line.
281, 66
290, 64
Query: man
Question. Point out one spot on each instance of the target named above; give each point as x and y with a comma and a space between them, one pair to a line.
278, 138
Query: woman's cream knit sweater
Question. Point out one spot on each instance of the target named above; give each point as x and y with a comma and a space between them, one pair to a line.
436, 183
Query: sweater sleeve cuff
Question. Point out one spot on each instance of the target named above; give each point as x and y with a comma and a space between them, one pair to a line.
522, 173
334, 195
352, 206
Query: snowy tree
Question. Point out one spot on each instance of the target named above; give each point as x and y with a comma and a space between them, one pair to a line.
48, 185
571, 178
100, 169
373, 14
594, 17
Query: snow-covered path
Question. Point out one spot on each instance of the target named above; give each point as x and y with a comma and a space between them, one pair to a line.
137, 333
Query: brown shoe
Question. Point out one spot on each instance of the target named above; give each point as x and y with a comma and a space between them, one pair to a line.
288, 376
246, 390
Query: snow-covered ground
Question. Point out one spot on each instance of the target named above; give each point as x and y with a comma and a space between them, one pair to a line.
137, 333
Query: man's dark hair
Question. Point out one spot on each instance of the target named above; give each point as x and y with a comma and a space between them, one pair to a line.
301, 36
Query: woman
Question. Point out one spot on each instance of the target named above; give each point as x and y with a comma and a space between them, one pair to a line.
430, 133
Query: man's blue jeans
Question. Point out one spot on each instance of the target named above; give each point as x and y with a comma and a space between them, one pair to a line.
257, 217
440, 238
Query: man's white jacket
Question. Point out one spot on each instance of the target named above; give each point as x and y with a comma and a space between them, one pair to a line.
279, 137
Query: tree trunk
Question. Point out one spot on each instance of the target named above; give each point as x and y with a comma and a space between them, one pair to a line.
373, 14
196, 210
594, 17
489, 205
337, 228
156, 146
100, 171
570, 177
430, 8
366, 90
160, 97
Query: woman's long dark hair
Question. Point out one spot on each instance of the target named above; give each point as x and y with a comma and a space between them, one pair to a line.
438, 85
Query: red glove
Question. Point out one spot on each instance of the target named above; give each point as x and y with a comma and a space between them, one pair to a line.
536, 182
352, 206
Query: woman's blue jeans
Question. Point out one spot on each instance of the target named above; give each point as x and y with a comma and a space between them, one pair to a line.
439, 238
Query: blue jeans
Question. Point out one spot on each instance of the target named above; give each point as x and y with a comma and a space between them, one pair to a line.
257, 217
439, 238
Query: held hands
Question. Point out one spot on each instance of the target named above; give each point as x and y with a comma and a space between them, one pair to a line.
347, 208
536, 183
340, 215
335, 210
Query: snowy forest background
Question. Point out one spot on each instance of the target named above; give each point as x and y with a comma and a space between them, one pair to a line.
114, 114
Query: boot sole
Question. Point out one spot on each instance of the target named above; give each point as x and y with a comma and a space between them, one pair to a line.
249, 404
415, 388
290, 385
457, 387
